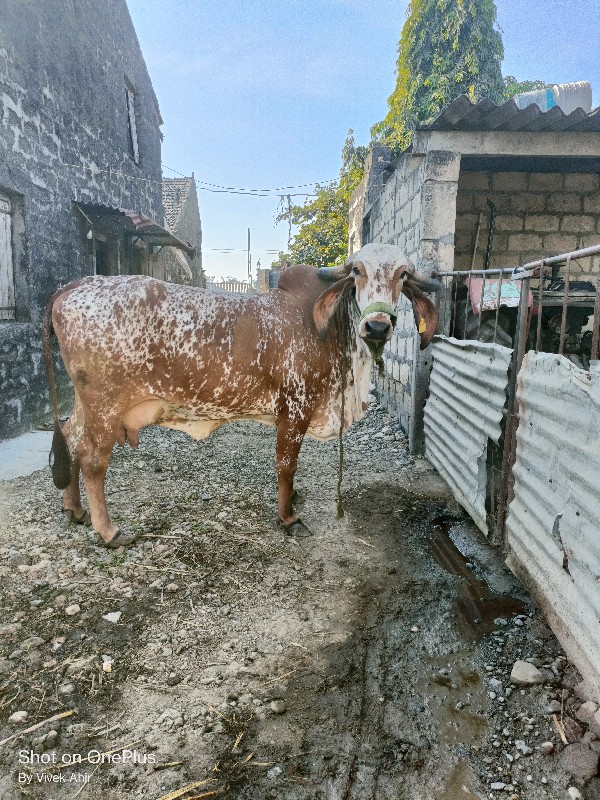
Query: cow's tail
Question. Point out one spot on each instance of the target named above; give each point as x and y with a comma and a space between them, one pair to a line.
60, 459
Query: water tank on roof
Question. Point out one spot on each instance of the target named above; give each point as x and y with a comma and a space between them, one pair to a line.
273, 279
567, 96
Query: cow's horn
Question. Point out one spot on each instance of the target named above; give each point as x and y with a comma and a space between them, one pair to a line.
423, 283
332, 273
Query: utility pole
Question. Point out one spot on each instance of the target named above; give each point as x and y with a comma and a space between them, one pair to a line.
249, 259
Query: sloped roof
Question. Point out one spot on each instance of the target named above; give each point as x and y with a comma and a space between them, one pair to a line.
117, 220
174, 192
463, 115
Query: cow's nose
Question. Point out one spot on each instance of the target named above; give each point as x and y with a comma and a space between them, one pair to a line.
378, 331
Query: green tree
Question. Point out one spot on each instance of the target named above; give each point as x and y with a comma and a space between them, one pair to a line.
447, 48
512, 86
322, 238
282, 260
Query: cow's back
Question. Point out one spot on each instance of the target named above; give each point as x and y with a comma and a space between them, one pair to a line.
133, 338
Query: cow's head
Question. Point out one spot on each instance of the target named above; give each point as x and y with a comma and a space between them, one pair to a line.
377, 274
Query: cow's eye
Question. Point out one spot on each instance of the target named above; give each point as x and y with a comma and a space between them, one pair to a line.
355, 271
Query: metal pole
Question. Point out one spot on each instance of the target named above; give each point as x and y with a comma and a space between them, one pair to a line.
596, 329
480, 308
563, 320
455, 286
476, 239
531, 268
538, 336
249, 259
498, 307
492, 225
512, 417
467, 306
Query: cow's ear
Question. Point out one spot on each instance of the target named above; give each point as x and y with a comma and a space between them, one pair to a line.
426, 316
327, 302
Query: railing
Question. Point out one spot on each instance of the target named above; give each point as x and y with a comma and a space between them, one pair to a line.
239, 287
505, 317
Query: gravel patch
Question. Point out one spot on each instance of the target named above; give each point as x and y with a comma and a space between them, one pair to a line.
220, 654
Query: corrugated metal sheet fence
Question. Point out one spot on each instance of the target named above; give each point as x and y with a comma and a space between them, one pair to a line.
546, 409
554, 519
465, 408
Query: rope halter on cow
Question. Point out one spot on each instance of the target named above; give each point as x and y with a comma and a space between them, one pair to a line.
376, 348
383, 308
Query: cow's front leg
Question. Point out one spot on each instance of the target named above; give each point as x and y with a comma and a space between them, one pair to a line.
290, 434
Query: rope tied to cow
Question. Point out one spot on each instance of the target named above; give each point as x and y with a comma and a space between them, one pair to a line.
344, 329
340, 506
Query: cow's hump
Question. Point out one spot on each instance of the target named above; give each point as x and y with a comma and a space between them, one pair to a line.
301, 279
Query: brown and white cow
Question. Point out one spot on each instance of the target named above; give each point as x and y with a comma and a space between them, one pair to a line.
143, 352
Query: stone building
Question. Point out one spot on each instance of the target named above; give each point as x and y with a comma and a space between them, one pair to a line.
80, 172
539, 169
182, 217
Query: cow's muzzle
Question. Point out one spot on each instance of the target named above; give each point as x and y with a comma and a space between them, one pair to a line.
376, 326
377, 331
377, 322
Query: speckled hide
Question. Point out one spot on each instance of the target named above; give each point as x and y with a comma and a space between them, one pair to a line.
142, 352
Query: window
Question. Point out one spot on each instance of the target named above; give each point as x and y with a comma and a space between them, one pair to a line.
133, 141
366, 230
7, 284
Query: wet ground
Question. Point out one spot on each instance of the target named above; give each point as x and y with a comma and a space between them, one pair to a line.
220, 658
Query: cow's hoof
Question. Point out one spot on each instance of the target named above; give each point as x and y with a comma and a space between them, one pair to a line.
298, 530
122, 538
76, 519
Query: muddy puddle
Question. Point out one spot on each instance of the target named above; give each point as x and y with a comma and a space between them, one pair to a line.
477, 605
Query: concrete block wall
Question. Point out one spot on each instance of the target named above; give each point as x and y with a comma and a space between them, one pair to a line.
395, 386
395, 216
415, 209
537, 214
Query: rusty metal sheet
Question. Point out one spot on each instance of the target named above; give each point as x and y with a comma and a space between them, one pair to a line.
554, 519
467, 394
117, 220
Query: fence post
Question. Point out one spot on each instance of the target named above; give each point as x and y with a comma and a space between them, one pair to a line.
512, 416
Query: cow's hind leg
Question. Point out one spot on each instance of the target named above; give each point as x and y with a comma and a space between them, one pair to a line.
290, 435
93, 454
72, 493
72, 507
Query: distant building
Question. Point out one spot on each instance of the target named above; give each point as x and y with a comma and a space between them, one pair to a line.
182, 217
80, 173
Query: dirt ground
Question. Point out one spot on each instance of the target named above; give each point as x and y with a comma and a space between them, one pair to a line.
219, 657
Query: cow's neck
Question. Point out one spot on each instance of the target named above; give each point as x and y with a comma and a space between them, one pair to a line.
358, 379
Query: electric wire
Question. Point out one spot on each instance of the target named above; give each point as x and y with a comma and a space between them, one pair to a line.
118, 174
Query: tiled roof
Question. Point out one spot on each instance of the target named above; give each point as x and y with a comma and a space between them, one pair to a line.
174, 192
463, 115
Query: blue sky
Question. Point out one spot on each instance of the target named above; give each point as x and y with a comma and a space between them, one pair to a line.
260, 94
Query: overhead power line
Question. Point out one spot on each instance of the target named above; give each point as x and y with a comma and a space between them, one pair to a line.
118, 174
257, 192
238, 250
